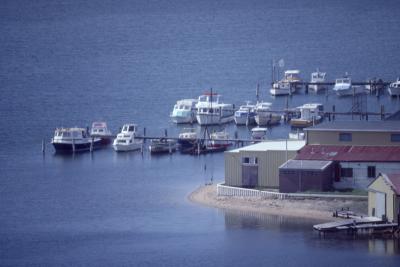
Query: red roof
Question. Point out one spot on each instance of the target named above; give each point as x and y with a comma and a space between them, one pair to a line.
394, 178
350, 153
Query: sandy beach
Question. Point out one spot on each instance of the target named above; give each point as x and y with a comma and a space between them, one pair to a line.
304, 208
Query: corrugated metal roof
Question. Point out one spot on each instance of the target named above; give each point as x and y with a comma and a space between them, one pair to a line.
354, 126
277, 145
305, 164
394, 179
350, 153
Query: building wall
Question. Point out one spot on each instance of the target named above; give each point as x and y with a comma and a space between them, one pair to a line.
360, 177
392, 201
268, 166
300, 180
358, 138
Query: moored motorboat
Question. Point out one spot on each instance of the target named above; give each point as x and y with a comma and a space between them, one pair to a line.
297, 135
219, 140
281, 88
344, 87
310, 114
70, 140
127, 139
211, 110
317, 80
162, 145
187, 139
259, 133
394, 88
264, 115
100, 130
245, 115
184, 111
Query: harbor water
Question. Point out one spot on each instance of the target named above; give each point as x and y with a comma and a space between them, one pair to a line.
69, 63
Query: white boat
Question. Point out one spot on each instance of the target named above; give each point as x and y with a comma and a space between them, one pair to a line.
281, 88
344, 87
394, 88
211, 110
67, 140
162, 145
316, 78
288, 85
219, 140
245, 115
126, 140
259, 133
100, 130
184, 111
187, 138
264, 115
310, 114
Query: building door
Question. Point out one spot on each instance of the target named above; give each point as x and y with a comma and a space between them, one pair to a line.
380, 204
249, 176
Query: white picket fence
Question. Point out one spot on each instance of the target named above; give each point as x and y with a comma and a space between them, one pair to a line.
224, 190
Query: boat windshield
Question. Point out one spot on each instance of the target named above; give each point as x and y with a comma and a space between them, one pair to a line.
131, 128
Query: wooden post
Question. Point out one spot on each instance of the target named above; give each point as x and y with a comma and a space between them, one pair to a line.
333, 112
306, 88
73, 145
144, 134
382, 112
43, 146
91, 144
166, 132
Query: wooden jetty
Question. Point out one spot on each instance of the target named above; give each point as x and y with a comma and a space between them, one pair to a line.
359, 224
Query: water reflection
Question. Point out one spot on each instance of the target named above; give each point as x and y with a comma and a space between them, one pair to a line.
247, 220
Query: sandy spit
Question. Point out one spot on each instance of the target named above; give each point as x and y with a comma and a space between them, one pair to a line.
320, 209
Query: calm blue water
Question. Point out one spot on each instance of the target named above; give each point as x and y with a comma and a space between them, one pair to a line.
69, 63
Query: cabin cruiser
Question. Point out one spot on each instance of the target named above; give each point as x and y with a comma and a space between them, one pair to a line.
264, 115
259, 133
187, 138
162, 145
184, 111
245, 115
316, 78
67, 140
310, 114
288, 85
219, 140
281, 88
127, 139
210, 110
343, 87
100, 130
394, 88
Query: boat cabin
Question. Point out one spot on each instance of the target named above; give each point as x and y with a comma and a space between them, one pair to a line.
292, 75
70, 133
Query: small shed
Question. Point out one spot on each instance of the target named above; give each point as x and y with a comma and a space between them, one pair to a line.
305, 175
384, 197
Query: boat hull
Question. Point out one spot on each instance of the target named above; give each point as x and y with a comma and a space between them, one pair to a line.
127, 147
354, 90
394, 91
211, 119
301, 123
265, 120
69, 147
183, 119
245, 120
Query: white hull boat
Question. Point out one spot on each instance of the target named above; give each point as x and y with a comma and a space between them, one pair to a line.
211, 111
281, 88
394, 88
264, 115
126, 140
71, 140
259, 133
245, 115
317, 77
184, 111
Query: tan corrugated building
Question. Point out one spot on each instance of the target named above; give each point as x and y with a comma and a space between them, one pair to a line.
384, 197
258, 165
357, 133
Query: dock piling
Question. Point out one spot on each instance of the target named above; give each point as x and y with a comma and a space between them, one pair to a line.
43, 146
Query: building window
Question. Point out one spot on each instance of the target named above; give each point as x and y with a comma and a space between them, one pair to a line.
395, 137
346, 172
250, 160
371, 172
345, 137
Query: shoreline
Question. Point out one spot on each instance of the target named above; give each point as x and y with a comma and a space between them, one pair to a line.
319, 209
